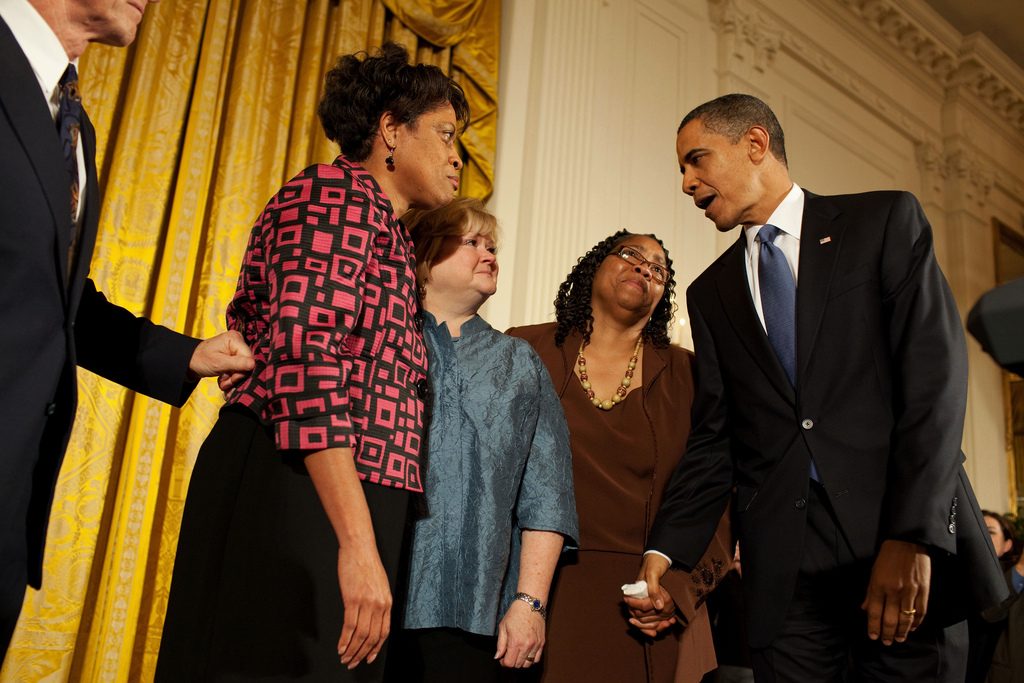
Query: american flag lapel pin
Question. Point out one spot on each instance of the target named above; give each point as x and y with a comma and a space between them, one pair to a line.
825, 240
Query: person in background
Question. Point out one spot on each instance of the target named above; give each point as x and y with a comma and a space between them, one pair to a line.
1005, 543
52, 317
499, 493
296, 512
996, 652
626, 392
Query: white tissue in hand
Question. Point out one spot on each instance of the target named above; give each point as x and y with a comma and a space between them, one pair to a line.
635, 590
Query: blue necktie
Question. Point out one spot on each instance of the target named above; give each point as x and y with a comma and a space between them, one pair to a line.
778, 302
69, 123
778, 299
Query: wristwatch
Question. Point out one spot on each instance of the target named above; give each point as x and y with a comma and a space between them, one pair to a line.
535, 604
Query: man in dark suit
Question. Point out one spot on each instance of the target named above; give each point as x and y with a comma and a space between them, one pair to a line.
51, 316
831, 389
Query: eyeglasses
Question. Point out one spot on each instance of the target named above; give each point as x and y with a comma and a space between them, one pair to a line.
659, 273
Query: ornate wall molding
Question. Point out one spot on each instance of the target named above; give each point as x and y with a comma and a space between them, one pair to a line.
859, 88
971, 62
933, 166
973, 177
931, 48
747, 35
959, 173
971, 69
753, 35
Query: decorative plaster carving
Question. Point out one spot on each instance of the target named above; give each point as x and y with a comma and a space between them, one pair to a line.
750, 34
933, 168
1006, 101
906, 35
968, 177
860, 89
968, 64
747, 35
974, 177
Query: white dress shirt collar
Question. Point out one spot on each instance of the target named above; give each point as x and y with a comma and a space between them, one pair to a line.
41, 46
787, 217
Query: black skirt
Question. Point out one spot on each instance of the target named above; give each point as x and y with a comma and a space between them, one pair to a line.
254, 594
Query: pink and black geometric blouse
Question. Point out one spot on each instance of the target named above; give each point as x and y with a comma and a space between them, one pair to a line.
326, 299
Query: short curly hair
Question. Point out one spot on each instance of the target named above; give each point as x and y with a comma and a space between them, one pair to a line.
572, 304
734, 114
362, 87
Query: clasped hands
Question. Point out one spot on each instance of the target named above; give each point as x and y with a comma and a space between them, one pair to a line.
896, 601
656, 612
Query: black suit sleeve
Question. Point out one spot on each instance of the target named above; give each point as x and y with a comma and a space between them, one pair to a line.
928, 359
132, 351
699, 489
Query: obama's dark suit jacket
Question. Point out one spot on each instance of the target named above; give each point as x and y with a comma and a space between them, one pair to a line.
879, 403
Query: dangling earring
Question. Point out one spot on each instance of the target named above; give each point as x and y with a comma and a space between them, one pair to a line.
389, 160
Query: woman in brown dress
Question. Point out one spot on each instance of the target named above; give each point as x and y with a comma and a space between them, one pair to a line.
626, 393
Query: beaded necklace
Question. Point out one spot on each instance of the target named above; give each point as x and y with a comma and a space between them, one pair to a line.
620, 392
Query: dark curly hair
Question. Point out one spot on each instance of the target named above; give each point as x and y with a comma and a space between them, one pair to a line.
362, 87
572, 304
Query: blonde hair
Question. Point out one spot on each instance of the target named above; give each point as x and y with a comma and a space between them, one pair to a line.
430, 228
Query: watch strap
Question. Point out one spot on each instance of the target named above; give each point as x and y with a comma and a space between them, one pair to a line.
535, 603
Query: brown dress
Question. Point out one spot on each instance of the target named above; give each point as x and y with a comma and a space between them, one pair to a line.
622, 459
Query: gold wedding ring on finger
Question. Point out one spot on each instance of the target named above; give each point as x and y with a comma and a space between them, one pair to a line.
909, 612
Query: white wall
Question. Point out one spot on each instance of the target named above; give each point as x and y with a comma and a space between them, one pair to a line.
871, 93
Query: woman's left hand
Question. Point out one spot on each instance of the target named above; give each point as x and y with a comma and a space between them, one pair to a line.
520, 637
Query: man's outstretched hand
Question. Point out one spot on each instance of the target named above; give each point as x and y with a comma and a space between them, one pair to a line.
225, 356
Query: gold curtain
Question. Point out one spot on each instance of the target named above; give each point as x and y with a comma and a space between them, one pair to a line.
198, 123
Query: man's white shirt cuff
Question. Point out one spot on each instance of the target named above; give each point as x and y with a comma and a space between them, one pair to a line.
656, 552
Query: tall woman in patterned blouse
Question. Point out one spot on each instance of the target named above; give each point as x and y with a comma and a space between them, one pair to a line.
499, 478
296, 510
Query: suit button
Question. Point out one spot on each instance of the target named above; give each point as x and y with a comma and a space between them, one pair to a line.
800, 504
807, 424
51, 408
